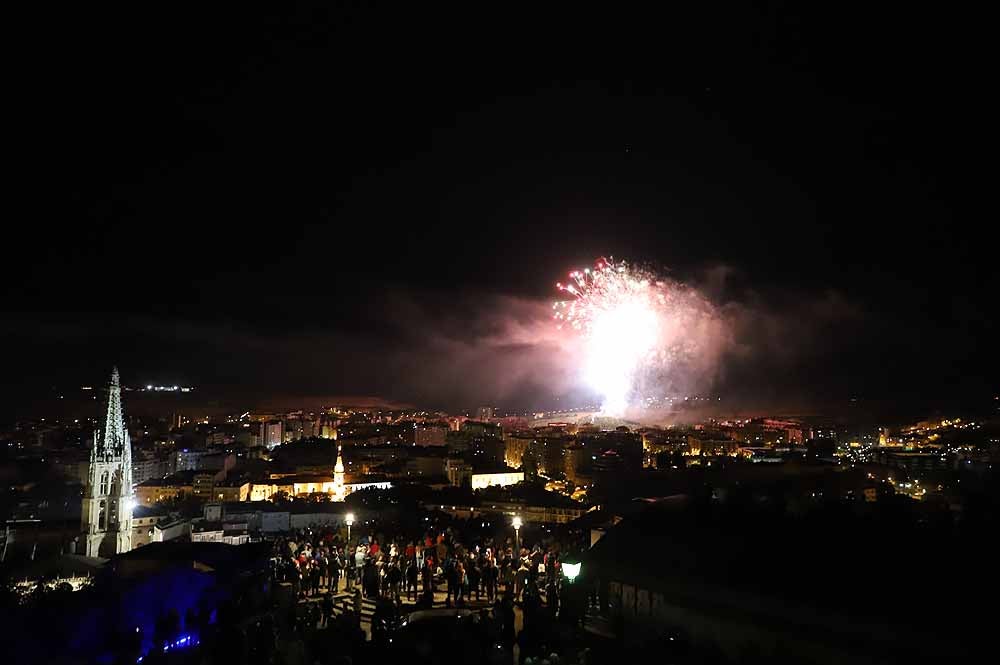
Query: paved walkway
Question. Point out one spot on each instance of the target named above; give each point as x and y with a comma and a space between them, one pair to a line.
368, 606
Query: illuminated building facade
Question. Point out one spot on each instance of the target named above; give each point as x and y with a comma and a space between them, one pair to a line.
496, 479
106, 518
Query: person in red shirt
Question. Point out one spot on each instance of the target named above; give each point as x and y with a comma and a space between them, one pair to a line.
373, 550
410, 551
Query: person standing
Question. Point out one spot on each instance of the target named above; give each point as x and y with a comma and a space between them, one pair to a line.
490, 577
507, 573
428, 578
315, 577
520, 579
323, 563
369, 579
411, 579
350, 572
474, 579
393, 577
335, 567
451, 580
461, 583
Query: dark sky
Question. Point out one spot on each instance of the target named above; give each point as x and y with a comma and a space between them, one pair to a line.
278, 202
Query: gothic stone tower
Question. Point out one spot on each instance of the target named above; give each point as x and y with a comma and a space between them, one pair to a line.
107, 497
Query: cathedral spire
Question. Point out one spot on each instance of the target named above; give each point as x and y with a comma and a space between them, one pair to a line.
114, 424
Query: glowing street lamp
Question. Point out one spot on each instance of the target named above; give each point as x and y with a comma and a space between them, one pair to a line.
571, 570
349, 520
517, 535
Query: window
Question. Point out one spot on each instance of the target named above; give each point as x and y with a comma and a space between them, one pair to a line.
104, 483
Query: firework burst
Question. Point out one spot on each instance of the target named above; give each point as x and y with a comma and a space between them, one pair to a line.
632, 326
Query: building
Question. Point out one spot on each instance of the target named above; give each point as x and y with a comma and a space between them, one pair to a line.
805, 616
231, 491
496, 478
108, 500
794, 432
913, 462
487, 450
171, 488
477, 428
150, 467
274, 433
430, 434
579, 463
550, 453
339, 490
213, 532
515, 445
484, 413
328, 430
203, 460
459, 471
144, 521
706, 447
202, 484
165, 531
304, 485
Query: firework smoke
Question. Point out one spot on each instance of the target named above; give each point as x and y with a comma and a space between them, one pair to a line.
637, 331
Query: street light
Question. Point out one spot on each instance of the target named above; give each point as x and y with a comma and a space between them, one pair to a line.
572, 603
349, 520
571, 570
517, 535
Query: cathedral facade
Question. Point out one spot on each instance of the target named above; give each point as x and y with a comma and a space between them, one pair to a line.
108, 499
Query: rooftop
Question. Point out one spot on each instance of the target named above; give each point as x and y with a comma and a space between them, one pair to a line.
149, 511
180, 478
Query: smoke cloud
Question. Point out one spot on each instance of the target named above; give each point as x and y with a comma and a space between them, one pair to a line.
455, 352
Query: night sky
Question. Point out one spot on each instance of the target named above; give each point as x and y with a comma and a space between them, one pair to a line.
330, 200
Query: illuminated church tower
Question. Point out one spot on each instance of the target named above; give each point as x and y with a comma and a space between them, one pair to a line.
107, 498
339, 489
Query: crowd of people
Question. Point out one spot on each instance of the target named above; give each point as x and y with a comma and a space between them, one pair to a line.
321, 566
319, 561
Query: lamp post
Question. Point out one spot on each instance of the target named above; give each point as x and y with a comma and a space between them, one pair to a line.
349, 520
572, 599
517, 536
